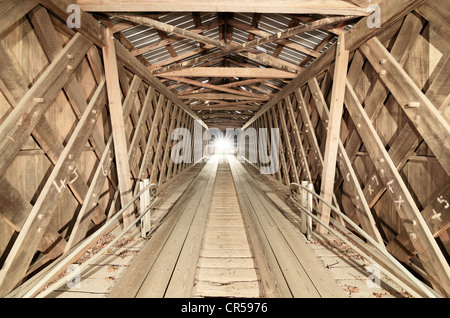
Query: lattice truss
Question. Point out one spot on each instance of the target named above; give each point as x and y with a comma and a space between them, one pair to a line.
87, 113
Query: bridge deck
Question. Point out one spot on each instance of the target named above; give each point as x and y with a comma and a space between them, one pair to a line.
225, 238
224, 230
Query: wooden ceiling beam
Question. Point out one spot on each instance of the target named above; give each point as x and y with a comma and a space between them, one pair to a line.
214, 87
215, 96
222, 115
228, 72
229, 49
224, 43
329, 7
286, 42
175, 38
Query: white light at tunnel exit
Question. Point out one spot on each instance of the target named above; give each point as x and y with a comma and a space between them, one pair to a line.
223, 146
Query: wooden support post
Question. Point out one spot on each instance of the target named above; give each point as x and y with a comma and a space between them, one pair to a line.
304, 203
333, 129
344, 165
118, 126
146, 223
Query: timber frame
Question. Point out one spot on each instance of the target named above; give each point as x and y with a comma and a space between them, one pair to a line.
87, 113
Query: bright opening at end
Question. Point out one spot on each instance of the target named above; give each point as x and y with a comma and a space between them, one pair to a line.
223, 146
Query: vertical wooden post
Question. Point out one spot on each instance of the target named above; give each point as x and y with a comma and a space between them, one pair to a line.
310, 209
118, 126
304, 203
334, 125
146, 224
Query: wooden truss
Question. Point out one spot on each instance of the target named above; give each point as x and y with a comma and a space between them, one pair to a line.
375, 177
363, 113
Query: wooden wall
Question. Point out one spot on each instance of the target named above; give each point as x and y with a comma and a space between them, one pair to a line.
59, 167
393, 152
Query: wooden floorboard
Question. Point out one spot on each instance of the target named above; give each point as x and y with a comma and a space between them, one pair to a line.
130, 283
225, 267
225, 238
293, 265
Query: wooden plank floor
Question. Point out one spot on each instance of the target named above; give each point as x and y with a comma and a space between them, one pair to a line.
225, 238
225, 267
295, 270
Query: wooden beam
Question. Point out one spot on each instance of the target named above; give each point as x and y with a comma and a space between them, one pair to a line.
333, 130
82, 222
159, 150
148, 152
437, 12
207, 85
176, 116
361, 206
118, 126
139, 130
287, 140
406, 37
267, 121
43, 132
24, 248
13, 11
298, 139
218, 96
15, 210
164, 27
438, 219
271, 61
90, 27
328, 7
26, 115
51, 44
174, 38
223, 115
137, 68
285, 42
257, 42
429, 252
229, 72
391, 11
428, 121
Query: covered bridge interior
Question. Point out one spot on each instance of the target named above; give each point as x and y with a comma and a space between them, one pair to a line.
224, 148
